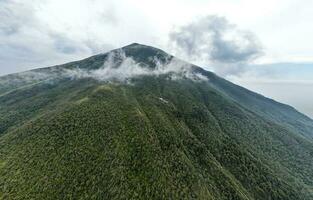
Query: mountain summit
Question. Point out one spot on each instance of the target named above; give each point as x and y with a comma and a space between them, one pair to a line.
138, 123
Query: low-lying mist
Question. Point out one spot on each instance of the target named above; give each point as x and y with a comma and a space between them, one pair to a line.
117, 67
121, 68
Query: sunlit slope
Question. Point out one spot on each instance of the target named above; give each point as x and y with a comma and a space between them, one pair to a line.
153, 138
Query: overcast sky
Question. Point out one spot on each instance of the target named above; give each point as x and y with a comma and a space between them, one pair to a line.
263, 45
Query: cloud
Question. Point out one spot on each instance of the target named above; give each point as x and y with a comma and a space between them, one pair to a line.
39, 33
120, 68
214, 39
117, 68
28, 40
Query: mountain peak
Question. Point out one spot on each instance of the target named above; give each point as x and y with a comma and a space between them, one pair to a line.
144, 54
136, 45
71, 131
133, 45
142, 48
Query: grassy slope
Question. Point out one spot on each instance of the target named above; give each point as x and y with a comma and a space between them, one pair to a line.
84, 139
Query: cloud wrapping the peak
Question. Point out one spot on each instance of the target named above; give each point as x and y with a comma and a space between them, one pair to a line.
117, 67
121, 68
217, 41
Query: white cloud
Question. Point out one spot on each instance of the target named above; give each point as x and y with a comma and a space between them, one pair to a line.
118, 67
217, 42
32, 32
48, 32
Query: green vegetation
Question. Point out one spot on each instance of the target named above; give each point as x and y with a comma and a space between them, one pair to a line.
152, 139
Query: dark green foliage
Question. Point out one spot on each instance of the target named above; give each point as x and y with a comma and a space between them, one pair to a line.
152, 139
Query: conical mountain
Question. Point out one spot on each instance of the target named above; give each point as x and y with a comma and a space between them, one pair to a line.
138, 123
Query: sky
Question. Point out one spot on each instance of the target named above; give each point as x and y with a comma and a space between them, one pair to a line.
265, 46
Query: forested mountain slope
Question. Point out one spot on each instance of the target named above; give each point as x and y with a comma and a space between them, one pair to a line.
143, 127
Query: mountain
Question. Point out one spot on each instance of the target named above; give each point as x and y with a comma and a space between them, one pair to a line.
138, 123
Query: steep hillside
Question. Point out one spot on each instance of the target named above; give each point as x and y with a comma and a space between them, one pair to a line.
144, 127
